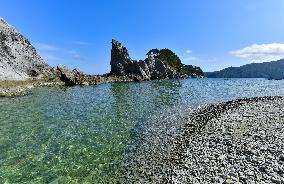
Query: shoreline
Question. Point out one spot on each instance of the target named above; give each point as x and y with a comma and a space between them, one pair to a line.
164, 162
200, 117
217, 137
15, 88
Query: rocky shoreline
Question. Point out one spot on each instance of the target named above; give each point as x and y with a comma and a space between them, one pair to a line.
19, 88
13, 88
238, 141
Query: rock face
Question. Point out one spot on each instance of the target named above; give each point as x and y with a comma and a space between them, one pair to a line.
151, 68
18, 58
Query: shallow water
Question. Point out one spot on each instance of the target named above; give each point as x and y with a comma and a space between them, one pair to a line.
84, 134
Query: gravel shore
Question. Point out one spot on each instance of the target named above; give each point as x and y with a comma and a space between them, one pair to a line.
240, 141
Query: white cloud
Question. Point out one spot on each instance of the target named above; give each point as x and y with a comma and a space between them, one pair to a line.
261, 52
188, 51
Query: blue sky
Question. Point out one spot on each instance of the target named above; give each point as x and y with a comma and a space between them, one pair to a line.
213, 34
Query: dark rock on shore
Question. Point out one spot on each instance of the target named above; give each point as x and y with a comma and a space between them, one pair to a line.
70, 77
76, 77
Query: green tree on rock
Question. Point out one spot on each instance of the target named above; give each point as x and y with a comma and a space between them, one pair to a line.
153, 52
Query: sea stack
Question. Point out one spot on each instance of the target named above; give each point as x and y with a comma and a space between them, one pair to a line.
18, 58
149, 69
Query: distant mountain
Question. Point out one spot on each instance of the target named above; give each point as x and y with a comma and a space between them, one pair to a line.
18, 58
269, 70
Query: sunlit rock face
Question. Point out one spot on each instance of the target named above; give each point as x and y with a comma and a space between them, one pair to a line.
119, 59
123, 65
18, 58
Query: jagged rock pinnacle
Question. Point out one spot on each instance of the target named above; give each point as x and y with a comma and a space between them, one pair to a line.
119, 58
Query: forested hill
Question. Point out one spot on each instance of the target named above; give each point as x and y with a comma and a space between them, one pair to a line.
269, 70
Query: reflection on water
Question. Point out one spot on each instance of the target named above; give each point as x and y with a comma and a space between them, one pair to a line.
80, 134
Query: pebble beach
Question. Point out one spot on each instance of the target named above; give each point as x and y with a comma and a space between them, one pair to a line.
239, 141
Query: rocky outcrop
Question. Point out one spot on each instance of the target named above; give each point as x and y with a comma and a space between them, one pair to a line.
151, 68
70, 77
18, 58
119, 59
76, 77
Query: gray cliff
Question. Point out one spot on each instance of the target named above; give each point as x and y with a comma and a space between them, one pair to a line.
18, 58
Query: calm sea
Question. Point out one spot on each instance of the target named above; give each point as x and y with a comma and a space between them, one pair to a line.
86, 134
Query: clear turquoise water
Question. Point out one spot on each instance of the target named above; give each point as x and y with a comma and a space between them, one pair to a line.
80, 134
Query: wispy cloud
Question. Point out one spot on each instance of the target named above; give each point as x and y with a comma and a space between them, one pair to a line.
261, 52
75, 55
53, 54
45, 47
50, 57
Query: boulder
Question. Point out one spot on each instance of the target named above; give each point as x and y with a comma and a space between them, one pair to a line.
70, 77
